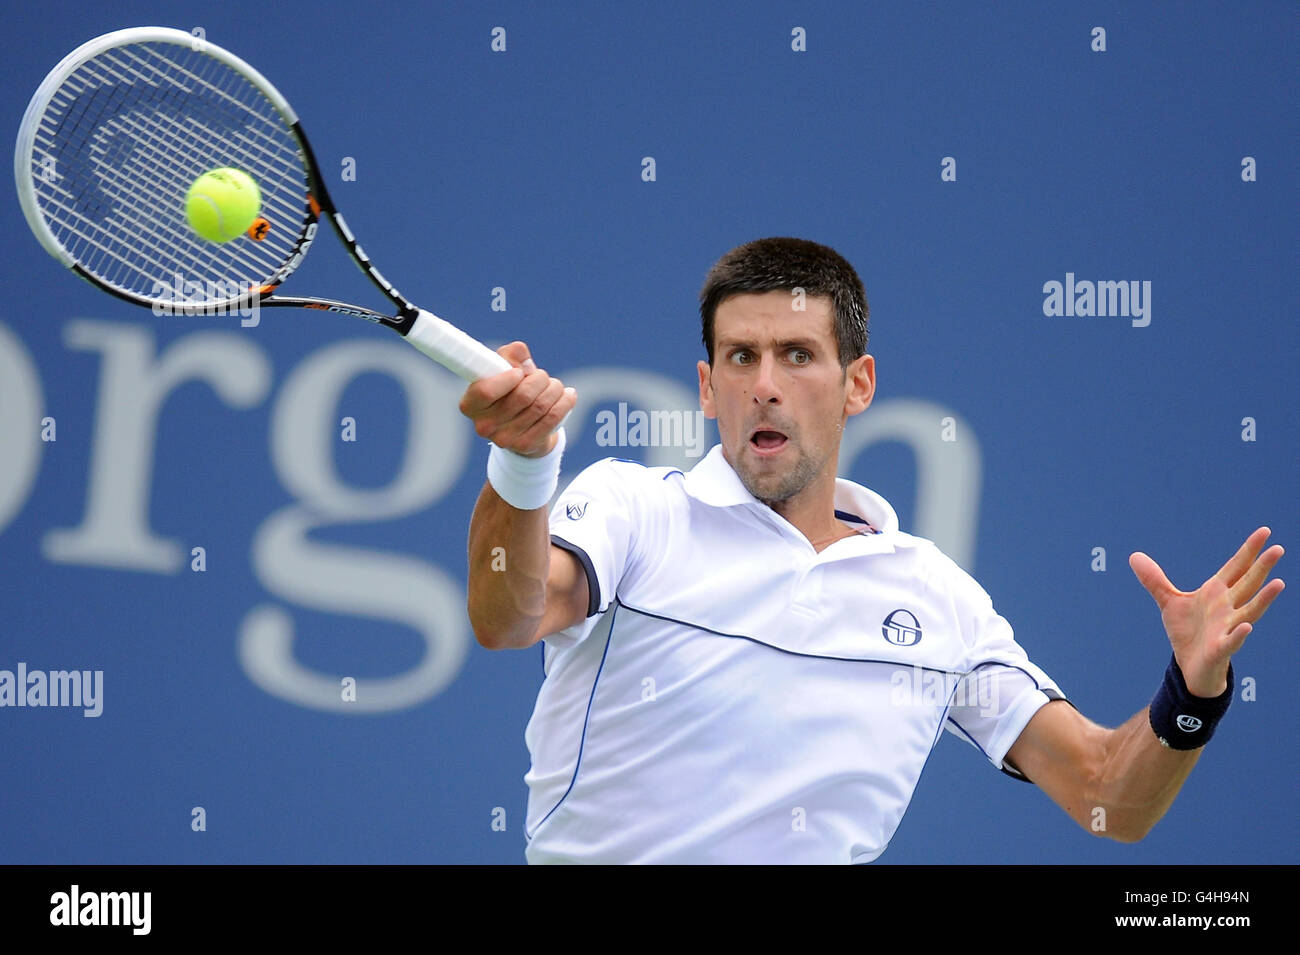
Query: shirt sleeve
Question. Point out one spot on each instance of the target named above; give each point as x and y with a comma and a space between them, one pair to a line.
1000, 689
599, 518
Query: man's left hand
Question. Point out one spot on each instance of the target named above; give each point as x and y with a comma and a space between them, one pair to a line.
1207, 626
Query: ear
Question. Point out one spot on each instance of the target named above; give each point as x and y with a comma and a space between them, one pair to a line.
706, 389
860, 384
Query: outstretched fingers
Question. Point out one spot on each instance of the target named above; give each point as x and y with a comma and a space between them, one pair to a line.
1254, 578
1260, 602
1237, 566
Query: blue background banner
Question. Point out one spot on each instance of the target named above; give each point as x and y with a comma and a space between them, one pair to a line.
961, 156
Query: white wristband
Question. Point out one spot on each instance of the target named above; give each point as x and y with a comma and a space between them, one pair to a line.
522, 482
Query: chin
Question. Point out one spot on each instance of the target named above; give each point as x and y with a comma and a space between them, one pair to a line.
774, 489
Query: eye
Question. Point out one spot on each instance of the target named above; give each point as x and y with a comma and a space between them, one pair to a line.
741, 356
800, 356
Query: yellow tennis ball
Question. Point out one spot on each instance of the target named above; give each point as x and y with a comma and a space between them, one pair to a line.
222, 204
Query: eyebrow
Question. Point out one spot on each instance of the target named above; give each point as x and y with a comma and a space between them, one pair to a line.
809, 343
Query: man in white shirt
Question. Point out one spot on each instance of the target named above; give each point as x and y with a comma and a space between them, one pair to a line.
750, 661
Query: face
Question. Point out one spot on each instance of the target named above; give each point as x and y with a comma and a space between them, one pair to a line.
779, 394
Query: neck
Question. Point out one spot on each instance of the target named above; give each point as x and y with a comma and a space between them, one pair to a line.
812, 511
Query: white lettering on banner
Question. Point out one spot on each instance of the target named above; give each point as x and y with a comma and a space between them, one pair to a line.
135, 383
351, 580
21, 406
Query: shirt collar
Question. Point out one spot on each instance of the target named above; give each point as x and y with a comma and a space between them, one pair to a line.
713, 481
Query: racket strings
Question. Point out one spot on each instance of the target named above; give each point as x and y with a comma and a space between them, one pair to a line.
268, 148
140, 224
105, 161
120, 143
142, 167
194, 133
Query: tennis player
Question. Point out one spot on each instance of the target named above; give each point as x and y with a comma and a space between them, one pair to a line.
750, 661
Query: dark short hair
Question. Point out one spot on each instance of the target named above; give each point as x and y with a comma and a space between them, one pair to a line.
765, 265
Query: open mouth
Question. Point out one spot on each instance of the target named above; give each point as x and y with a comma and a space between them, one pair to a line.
767, 441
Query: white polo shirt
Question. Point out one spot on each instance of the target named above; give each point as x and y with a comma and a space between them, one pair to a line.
736, 697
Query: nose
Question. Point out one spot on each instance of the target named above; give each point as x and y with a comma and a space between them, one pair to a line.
766, 389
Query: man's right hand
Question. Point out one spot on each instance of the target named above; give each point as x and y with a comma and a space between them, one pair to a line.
520, 409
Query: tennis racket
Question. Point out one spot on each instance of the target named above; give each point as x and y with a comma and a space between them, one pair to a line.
110, 145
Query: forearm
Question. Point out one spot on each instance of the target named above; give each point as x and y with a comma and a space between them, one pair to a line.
1138, 779
1119, 783
509, 556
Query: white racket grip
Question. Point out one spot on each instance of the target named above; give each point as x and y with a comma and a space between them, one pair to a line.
453, 349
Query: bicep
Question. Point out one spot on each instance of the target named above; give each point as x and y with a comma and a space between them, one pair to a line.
1061, 751
567, 593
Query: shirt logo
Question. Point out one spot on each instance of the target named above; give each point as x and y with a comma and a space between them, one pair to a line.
901, 628
574, 512
1188, 724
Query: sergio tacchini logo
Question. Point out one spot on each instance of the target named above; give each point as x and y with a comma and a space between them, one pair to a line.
901, 628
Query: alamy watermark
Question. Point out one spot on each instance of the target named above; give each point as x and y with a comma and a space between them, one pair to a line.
918, 686
184, 296
129, 909
651, 429
1083, 298
83, 688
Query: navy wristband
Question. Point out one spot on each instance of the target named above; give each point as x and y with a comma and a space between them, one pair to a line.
1181, 720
